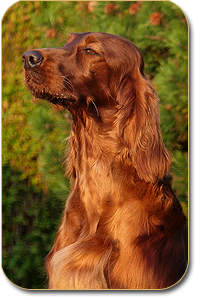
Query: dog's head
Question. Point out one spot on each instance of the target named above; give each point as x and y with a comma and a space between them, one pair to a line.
87, 71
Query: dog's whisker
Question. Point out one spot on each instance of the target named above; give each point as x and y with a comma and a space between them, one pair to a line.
95, 107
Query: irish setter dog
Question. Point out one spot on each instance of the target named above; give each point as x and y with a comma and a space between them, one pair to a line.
123, 227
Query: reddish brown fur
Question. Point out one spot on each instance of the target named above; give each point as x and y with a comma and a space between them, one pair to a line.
123, 227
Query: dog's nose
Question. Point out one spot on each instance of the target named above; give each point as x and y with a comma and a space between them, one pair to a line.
32, 59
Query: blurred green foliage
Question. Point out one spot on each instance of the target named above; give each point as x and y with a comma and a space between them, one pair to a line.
34, 188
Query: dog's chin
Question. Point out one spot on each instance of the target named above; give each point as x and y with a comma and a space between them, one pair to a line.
59, 100
55, 98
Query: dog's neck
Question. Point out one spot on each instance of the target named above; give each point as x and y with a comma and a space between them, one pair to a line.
95, 150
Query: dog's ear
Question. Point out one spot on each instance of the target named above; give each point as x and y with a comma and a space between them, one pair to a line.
139, 126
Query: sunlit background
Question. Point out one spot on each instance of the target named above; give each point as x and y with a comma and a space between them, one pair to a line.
34, 188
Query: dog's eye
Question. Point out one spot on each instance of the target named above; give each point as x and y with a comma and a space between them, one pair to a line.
89, 51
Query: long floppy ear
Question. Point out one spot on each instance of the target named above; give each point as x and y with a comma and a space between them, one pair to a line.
139, 127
